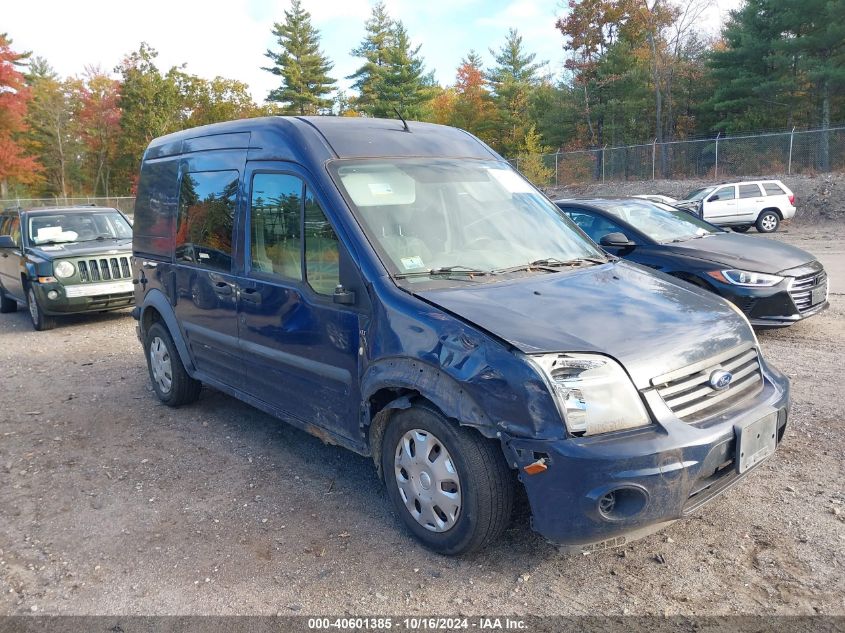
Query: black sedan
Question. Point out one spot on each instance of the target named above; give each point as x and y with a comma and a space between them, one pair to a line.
774, 284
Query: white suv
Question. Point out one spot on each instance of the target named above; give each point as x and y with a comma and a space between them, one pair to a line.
762, 203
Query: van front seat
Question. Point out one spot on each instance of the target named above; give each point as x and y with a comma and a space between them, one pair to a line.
396, 239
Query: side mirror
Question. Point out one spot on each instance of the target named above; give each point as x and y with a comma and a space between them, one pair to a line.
617, 240
343, 296
6, 241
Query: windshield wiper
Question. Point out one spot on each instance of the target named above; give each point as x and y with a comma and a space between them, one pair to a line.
444, 270
551, 263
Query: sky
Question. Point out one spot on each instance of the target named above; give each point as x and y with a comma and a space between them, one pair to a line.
229, 39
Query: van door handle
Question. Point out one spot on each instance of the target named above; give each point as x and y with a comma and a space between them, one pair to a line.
222, 288
251, 294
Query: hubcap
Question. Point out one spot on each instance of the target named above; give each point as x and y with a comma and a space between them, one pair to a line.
160, 365
769, 222
33, 306
428, 480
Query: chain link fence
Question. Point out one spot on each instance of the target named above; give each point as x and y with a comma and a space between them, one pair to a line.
123, 203
723, 157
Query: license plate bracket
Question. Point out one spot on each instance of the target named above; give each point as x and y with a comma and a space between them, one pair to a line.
755, 441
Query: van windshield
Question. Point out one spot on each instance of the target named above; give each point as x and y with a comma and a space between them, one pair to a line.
77, 226
457, 215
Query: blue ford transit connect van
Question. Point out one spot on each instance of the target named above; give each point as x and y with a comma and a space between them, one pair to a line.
401, 291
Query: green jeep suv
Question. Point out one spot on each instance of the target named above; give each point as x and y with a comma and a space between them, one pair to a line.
64, 261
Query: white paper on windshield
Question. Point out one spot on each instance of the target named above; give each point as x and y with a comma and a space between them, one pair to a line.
386, 186
412, 263
511, 180
49, 233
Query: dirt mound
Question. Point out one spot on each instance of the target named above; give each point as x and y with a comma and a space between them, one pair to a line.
818, 198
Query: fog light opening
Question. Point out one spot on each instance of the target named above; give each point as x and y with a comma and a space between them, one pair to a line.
622, 503
52, 295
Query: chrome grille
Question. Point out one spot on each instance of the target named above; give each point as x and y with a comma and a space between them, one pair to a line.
687, 391
801, 289
112, 269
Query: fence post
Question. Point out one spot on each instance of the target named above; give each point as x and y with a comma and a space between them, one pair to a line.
602, 161
517, 163
557, 179
716, 177
653, 157
789, 162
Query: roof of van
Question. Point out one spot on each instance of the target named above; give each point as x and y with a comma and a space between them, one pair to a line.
337, 137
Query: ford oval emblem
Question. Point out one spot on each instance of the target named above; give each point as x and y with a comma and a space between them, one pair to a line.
720, 379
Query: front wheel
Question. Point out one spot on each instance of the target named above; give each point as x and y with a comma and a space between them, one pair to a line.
768, 222
450, 486
40, 321
171, 382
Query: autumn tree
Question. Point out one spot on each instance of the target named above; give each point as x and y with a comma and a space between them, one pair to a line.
15, 165
99, 127
473, 109
303, 67
52, 134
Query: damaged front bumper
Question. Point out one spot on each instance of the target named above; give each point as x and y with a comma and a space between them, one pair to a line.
607, 490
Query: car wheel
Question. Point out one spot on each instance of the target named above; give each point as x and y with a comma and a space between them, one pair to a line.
741, 229
40, 321
450, 486
171, 382
7, 304
768, 222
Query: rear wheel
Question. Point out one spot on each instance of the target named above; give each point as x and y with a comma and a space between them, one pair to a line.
40, 321
450, 486
171, 382
768, 222
7, 304
741, 229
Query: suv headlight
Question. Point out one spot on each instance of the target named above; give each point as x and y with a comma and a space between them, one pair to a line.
746, 278
593, 393
64, 269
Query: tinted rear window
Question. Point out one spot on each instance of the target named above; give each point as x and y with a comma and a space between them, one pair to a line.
772, 189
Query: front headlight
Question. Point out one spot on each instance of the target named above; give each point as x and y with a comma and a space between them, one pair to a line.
64, 269
593, 393
746, 278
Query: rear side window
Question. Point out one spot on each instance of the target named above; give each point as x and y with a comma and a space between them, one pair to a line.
276, 228
749, 191
206, 219
725, 193
773, 189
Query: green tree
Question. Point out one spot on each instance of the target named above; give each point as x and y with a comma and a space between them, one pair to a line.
512, 79
393, 73
531, 159
301, 64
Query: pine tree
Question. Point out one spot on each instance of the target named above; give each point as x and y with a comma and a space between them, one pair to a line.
301, 64
512, 80
375, 49
406, 84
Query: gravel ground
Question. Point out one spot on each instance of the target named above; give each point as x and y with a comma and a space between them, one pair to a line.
111, 503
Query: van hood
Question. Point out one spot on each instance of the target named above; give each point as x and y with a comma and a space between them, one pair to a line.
647, 321
747, 252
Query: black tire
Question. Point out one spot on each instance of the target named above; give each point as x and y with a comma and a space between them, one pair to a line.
182, 388
768, 222
741, 229
486, 483
7, 304
39, 320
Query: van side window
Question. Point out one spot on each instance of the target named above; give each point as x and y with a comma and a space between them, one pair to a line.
276, 231
206, 219
322, 250
14, 229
